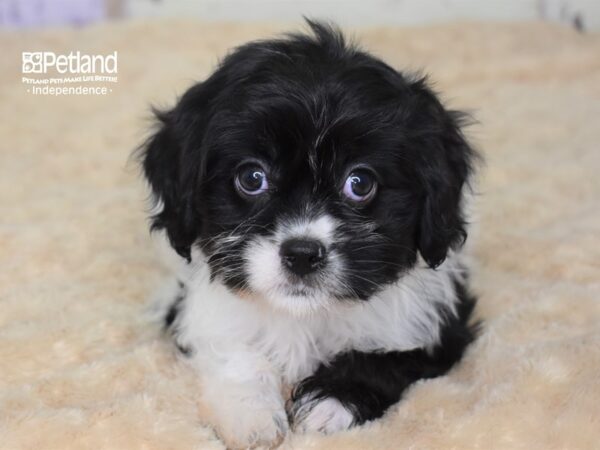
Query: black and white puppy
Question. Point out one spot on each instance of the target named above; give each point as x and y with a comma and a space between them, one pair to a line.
317, 197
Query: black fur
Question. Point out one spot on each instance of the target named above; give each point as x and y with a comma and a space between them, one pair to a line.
172, 315
289, 101
367, 384
309, 109
173, 310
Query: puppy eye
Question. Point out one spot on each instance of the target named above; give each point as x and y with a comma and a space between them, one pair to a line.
251, 180
360, 186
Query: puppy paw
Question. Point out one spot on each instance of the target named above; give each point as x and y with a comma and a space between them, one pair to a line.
325, 415
250, 419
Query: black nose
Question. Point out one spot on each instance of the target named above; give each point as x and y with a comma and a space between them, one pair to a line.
302, 256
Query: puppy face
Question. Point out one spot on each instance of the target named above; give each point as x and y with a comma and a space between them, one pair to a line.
309, 172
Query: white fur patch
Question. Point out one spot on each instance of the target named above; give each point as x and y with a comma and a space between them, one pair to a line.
267, 277
404, 316
325, 416
245, 346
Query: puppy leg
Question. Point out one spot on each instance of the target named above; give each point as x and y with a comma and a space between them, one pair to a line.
356, 387
243, 394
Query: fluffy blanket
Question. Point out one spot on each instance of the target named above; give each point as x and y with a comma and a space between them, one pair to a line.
83, 365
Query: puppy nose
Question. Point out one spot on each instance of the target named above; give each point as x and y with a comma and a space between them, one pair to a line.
302, 256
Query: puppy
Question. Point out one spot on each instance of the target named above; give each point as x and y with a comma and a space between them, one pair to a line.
316, 196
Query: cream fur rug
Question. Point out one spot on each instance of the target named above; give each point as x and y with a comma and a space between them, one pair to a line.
82, 365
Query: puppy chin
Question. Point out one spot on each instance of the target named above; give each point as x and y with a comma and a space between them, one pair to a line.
304, 304
292, 301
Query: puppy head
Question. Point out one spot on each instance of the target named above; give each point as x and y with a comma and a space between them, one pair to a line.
309, 172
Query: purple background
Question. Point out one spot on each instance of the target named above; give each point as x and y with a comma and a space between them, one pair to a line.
33, 13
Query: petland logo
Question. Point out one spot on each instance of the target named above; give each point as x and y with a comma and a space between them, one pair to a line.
74, 63
69, 69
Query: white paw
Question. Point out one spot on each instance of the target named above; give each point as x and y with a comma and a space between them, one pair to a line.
247, 418
327, 416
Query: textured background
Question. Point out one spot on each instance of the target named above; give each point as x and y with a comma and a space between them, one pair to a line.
83, 366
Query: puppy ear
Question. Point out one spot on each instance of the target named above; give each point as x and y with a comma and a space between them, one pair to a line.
162, 162
446, 164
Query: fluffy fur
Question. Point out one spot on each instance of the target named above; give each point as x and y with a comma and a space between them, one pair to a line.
317, 196
82, 366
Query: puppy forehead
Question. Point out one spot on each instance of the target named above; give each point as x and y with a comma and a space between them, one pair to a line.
322, 141
310, 138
